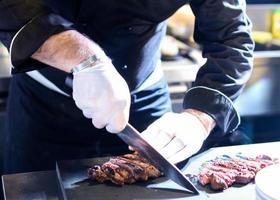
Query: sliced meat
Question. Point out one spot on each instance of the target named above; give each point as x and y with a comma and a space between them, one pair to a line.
218, 182
222, 173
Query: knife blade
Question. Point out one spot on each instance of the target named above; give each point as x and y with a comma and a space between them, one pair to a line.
133, 138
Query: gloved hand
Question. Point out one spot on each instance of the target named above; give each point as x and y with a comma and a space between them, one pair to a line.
177, 136
103, 96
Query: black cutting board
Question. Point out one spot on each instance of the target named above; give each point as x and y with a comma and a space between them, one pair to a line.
75, 185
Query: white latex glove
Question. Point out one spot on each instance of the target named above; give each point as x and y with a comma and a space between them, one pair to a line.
176, 136
103, 96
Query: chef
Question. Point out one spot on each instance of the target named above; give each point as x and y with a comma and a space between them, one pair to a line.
112, 50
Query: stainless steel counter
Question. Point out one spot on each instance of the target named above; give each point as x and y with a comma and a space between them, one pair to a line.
5, 64
5, 68
261, 95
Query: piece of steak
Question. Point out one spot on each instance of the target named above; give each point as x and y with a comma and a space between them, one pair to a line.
221, 172
127, 168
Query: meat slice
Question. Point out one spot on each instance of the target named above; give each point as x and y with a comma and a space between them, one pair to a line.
218, 182
219, 177
125, 169
222, 173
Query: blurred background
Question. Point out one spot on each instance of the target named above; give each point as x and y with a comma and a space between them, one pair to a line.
259, 104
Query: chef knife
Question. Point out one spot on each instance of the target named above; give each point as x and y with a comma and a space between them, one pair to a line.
134, 139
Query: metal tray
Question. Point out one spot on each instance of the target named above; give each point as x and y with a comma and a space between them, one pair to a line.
74, 184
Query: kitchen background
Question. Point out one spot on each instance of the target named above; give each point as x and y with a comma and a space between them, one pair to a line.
259, 105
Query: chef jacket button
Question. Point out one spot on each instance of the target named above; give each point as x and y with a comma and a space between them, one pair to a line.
124, 67
130, 28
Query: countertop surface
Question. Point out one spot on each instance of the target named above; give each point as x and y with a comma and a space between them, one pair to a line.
43, 185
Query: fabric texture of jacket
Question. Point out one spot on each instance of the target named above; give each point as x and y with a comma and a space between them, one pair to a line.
130, 32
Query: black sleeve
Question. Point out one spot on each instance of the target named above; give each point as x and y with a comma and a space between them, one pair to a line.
223, 30
24, 26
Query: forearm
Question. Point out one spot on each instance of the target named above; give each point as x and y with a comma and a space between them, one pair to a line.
67, 49
224, 31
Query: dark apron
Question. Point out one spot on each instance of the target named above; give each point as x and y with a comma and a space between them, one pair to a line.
44, 126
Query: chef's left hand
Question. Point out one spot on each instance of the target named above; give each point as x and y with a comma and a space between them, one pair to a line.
178, 136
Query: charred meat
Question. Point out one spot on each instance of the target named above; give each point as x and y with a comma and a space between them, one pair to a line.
125, 169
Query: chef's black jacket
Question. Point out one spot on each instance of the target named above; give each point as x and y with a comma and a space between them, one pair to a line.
130, 32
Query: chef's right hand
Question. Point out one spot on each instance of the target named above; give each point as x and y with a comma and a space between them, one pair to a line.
99, 91
103, 96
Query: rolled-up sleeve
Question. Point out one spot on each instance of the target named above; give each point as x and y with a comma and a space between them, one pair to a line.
24, 27
223, 29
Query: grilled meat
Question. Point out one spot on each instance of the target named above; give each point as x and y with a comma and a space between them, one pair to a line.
127, 168
222, 173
